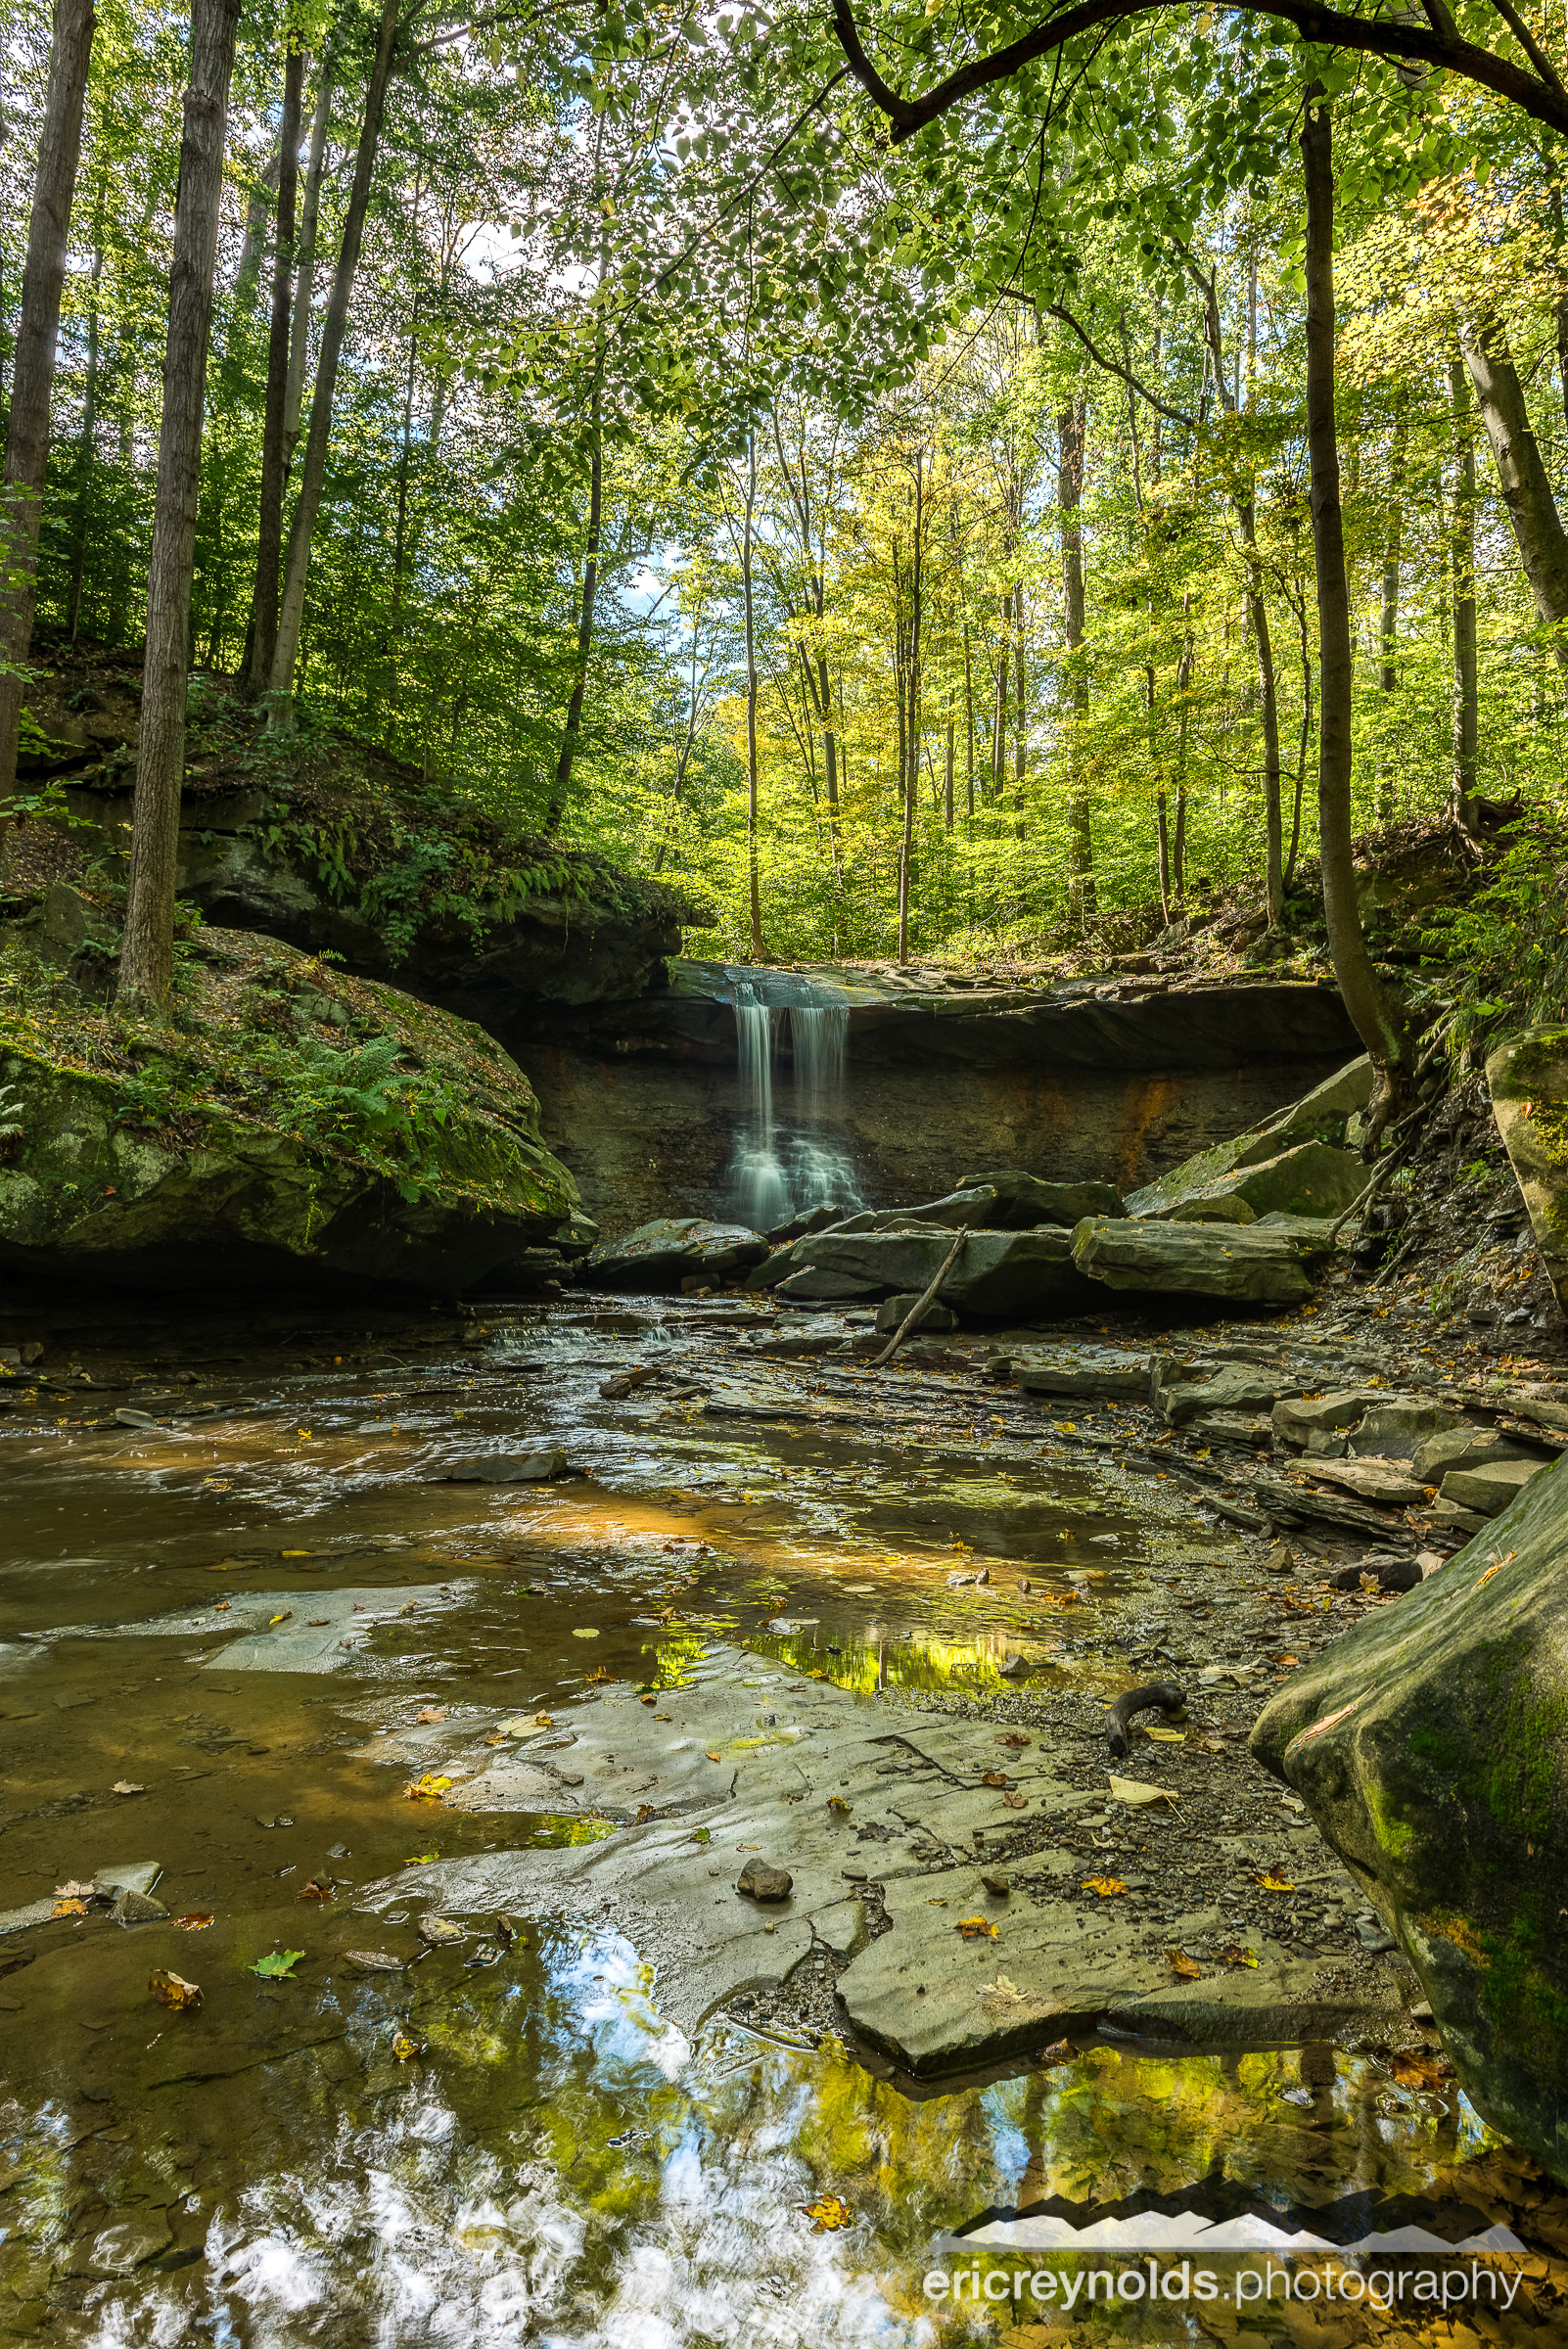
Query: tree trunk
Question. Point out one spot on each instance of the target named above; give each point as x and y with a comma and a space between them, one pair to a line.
89, 428
304, 273
32, 372
753, 869
949, 768
1377, 1019
1020, 684
1526, 492
264, 631
555, 813
147, 958
969, 727
1389, 614
1258, 613
1070, 430
313, 478
1465, 710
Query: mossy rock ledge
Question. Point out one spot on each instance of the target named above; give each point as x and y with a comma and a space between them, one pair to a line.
1528, 1079
290, 1123
1431, 1747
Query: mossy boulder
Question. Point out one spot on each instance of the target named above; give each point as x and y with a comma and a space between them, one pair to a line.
1528, 1078
1431, 1747
286, 1124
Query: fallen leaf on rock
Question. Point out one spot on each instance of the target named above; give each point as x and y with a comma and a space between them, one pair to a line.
600, 1673
543, 1721
976, 1928
317, 1623
1139, 1796
710, 1756
645, 1812
283, 1618
407, 2048
1016, 1802
585, 1635
1422, 2071
431, 1713
1167, 1737
1274, 1883
1232, 1956
220, 1606
278, 1964
70, 1909
1002, 1992
996, 1777
373, 1961
1181, 1964
826, 2213
836, 1802
1106, 1886
1059, 2050
1013, 1739
420, 1859
127, 1786
197, 1921
701, 1834
173, 1991
426, 1789
312, 1890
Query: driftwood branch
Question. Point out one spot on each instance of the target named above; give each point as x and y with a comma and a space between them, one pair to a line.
921, 1302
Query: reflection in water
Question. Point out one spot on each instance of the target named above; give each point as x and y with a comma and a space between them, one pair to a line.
559, 2163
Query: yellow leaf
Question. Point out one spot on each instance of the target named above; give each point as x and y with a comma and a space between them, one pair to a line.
579, 1635
1181, 1964
169, 1990
1106, 1886
826, 2213
976, 1928
1274, 1883
431, 1713
283, 1618
196, 1922
1234, 1957
426, 1789
1136, 1795
70, 1909
1167, 1737
404, 2048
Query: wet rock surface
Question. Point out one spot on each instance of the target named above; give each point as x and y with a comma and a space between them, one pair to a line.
965, 1561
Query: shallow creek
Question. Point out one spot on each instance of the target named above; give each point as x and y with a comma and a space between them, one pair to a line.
506, 2140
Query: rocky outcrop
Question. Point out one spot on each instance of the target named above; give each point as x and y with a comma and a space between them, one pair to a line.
1289, 1164
291, 1127
1431, 1747
1011, 1273
661, 1254
1528, 1079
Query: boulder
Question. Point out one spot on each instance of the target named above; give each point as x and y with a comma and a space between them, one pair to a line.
1429, 1745
1462, 1447
1398, 1429
1091, 1377
289, 1125
760, 1880
1199, 1260
1528, 1079
1297, 1417
1024, 1200
505, 1469
1320, 1116
812, 1287
662, 1254
1228, 1390
1377, 1481
1490, 1487
1313, 1180
937, 1315
999, 1272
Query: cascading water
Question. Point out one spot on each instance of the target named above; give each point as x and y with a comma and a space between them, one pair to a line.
784, 1164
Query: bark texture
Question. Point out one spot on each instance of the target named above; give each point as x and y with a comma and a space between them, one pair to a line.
34, 365
147, 957
1376, 1017
274, 462
1521, 476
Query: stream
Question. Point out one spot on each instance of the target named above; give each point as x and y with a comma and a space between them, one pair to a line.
507, 2140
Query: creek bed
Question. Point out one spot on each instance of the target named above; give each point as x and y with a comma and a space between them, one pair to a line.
237, 1612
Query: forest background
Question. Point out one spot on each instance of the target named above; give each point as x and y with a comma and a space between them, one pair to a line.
907, 557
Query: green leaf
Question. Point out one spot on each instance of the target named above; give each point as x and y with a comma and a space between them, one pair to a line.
278, 1964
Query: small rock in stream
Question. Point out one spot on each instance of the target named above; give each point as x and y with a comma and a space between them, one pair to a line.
763, 1881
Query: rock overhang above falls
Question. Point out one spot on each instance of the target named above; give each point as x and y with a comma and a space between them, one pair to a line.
673, 1248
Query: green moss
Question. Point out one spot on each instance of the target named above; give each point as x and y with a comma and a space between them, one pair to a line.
1395, 1835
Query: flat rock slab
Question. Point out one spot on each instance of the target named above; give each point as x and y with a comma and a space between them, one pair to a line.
280, 1631
844, 1790
1199, 1260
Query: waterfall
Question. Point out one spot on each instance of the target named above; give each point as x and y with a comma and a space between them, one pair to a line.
783, 1162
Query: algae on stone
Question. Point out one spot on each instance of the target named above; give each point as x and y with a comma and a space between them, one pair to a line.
1528, 1079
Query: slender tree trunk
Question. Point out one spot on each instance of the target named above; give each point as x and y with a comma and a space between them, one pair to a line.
1389, 614
1178, 850
1269, 712
969, 727
1302, 741
33, 363
1377, 1019
305, 269
949, 766
1020, 684
1466, 715
998, 727
313, 478
555, 813
395, 627
753, 865
911, 787
1070, 430
147, 958
263, 629
1526, 492
89, 427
